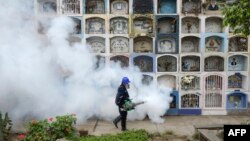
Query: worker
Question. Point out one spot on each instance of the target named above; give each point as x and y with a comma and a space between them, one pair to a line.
121, 96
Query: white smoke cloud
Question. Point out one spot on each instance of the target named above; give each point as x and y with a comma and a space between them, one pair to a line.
44, 76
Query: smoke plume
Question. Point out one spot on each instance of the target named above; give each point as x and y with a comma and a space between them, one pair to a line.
43, 75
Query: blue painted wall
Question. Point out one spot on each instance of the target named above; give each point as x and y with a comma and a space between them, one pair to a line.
167, 6
241, 105
174, 111
189, 112
221, 35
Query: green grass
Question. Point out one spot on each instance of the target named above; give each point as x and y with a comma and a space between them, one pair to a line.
131, 135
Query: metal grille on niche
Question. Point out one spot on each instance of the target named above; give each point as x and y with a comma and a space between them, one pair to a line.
190, 101
235, 81
143, 6
213, 91
193, 85
214, 63
213, 82
190, 44
95, 7
70, 6
190, 63
166, 64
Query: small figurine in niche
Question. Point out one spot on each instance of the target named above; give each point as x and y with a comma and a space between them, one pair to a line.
236, 104
162, 47
213, 6
91, 27
173, 26
186, 80
189, 27
167, 66
165, 46
233, 63
158, 29
142, 65
150, 29
185, 65
159, 67
111, 30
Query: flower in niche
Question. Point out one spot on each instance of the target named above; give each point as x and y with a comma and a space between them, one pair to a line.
186, 80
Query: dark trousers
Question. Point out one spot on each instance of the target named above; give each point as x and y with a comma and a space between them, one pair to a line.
122, 117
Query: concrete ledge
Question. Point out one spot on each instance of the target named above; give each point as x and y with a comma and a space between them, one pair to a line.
208, 135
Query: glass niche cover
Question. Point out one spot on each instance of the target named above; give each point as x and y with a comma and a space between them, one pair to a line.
96, 44
95, 7
143, 6
214, 25
95, 26
166, 45
122, 60
119, 7
143, 25
119, 45
145, 63
119, 25
47, 6
214, 44
190, 25
143, 44
191, 6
